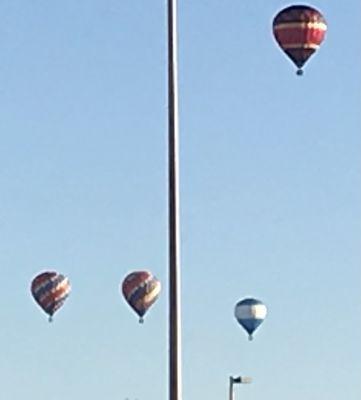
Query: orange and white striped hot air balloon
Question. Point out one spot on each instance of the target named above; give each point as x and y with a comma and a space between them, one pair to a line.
50, 289
299, 30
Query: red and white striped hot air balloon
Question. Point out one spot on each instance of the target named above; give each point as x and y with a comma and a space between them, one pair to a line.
140, 289
299, 30
50, 290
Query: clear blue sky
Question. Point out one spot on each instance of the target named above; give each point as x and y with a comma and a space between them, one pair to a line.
270, 199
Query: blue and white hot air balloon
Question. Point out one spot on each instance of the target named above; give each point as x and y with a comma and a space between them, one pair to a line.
250, 314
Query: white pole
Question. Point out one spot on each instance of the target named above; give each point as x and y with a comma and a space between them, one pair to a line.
175, 383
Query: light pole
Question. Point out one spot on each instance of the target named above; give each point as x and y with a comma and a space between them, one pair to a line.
175, 380
237, 379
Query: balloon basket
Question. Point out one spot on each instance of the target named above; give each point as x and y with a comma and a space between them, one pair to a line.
50, 319
299, 72
141, 320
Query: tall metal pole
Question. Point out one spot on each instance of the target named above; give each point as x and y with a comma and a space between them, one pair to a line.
237, 379
175, 383
231, 392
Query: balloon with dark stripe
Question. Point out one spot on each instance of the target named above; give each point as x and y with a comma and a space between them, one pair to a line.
140, 289
50, 290
299, 30
250, 313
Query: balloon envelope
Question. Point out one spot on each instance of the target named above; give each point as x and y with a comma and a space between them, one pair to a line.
299, 31
140, 289
50, 290
250, 313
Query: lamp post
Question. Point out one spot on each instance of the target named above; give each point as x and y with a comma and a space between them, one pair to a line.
237, 379
175, 383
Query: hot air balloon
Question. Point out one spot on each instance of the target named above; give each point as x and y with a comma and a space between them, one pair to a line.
50, 289
299, 31
140, 289
250, 313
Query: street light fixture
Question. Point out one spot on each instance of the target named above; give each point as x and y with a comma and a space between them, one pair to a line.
237, 379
